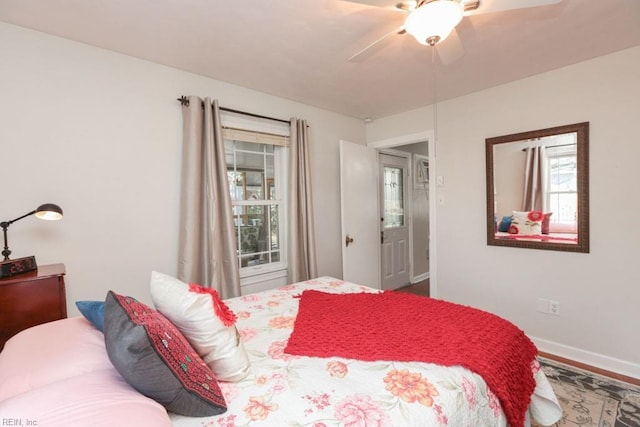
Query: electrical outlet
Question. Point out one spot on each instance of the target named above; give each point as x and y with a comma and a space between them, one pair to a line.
554, 307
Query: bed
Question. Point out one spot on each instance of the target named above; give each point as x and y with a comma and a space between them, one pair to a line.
535, 226
61, 374
550, 237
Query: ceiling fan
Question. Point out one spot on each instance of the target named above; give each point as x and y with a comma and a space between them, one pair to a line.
431, 22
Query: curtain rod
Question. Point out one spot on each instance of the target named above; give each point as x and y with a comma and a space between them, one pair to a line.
553, 146
185, 101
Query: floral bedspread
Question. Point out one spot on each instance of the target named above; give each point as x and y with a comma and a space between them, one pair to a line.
287, 390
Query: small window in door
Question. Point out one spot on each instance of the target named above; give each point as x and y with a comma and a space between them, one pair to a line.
393, 199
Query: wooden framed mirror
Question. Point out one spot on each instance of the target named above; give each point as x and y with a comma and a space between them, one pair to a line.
538, 189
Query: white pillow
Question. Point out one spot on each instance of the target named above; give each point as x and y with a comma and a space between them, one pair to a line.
193, 313
526, 223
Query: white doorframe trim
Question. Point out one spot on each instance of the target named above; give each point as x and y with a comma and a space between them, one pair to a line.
413, 138
403, 140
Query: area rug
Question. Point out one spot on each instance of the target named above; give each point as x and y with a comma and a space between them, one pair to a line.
591, 400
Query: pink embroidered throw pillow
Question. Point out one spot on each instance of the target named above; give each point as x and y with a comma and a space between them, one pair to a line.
152, 355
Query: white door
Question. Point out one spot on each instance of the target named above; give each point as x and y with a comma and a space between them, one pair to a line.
360, 214
395, 265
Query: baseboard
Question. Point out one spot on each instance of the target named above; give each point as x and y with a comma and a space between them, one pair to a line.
420, 278
601, 361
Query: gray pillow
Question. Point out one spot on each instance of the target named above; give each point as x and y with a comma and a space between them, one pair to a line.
154, 357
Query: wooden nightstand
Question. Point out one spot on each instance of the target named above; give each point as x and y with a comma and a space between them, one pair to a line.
30, 299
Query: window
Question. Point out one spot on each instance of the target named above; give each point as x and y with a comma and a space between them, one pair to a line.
562, 194
257, 185
393, 197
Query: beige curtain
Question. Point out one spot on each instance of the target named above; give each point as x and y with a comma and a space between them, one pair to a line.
302, 240
207, 244
535, 180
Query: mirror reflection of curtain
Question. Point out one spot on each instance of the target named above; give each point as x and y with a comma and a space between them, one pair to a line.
535, 180
207, 243
302, 240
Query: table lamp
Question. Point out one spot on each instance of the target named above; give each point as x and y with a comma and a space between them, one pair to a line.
9, 267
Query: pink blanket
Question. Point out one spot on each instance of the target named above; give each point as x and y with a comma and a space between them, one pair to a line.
405, 327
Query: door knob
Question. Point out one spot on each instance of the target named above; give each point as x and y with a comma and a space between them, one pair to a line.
348, 240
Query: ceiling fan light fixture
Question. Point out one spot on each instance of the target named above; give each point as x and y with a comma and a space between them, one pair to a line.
432, 22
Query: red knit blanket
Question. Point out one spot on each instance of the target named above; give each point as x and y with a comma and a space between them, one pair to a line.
404, 327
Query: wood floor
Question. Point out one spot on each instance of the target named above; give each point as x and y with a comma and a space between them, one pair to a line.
595, 370
420, 288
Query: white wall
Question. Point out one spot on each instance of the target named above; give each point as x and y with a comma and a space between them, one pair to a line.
508, 178
99, 133
599, 292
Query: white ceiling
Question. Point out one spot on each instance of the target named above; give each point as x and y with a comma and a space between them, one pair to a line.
299, 49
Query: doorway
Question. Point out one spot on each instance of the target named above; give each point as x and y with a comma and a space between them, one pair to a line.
361, 227
422, 189
395, 217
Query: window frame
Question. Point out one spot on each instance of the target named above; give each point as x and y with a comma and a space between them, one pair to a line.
549, 194
280, 177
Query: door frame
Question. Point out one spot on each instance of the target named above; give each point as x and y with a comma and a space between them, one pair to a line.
413, 138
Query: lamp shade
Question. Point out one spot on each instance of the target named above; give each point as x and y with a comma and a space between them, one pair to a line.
49, 211
432, 22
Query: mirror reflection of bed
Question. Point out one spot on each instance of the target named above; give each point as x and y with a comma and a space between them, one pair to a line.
537, 189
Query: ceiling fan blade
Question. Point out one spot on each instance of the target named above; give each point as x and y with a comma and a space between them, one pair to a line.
374, 47
489, 6
397, 5
377, 3
450, 50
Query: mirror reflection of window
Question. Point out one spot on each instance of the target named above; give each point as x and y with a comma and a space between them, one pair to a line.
562, 194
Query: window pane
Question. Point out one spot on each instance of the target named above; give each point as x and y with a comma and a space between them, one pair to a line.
229, 147
563, 174
564, 207
254, 185
258, 234
251, 146
393, 197
256, 215
236, 184
249, 261
248, 239
250, 167
275, 229
249, 161
270, 177
563, 186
